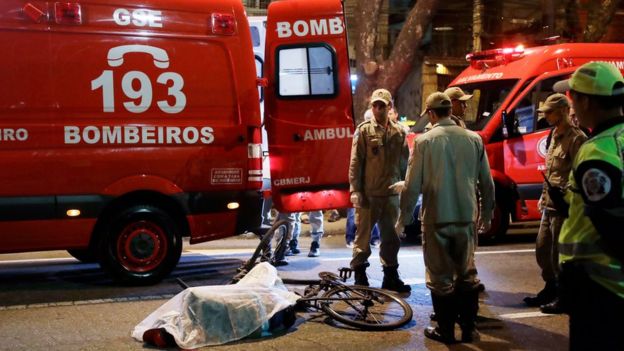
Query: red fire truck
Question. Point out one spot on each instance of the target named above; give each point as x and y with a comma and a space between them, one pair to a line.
125, 127
508, 85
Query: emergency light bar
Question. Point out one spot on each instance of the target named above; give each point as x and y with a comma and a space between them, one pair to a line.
495, 57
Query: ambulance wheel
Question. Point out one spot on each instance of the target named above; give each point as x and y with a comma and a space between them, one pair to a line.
500, 224
141, 245
83, 255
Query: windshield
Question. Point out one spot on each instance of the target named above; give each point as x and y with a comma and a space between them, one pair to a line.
487, 97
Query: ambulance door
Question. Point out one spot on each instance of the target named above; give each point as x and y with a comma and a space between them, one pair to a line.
308, 106
524, 148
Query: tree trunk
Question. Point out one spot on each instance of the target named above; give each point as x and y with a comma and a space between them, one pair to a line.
477, 24
599, 16
366, 66
392, 72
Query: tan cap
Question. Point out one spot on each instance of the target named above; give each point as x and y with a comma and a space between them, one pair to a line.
436, 100
554, 101
381, 95
455, 93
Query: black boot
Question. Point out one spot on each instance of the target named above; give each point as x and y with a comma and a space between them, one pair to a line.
546, 295
552, 308
359, 273
391, 280
445, 309
468, 306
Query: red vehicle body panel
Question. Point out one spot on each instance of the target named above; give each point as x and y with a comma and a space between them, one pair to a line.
309, 133
141, 121
517, 160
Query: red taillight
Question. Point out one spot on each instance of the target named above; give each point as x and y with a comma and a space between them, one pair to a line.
67, 13
254, 158
223, 24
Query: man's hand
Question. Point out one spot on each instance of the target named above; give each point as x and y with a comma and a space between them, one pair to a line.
484, 225
356, 199
399, 229
397, 187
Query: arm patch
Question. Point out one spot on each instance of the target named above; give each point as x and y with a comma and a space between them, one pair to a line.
600, 182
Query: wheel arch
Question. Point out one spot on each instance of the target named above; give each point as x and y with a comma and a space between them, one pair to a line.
141, 197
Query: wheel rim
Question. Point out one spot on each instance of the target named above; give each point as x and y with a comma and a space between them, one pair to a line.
142, 246
385, 312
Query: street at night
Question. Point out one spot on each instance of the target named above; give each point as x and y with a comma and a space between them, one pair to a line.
50, 301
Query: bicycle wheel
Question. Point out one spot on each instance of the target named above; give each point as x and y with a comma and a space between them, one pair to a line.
366, 308
279, 230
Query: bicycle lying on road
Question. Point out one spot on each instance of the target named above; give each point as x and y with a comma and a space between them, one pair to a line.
362, 307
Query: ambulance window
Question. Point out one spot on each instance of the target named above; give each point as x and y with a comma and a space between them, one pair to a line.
308, 71
525, 113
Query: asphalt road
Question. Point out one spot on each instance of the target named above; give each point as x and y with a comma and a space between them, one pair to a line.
50, 301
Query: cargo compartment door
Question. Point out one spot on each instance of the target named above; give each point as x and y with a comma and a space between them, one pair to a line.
308, 106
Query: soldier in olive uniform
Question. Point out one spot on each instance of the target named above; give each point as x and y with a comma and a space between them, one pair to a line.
565, 141
378, 159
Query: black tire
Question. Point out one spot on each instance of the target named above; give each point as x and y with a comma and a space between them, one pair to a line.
500, 224
383, 311
280, 230
140, 245
84, 255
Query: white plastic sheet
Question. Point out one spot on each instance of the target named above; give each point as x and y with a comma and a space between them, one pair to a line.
213, 315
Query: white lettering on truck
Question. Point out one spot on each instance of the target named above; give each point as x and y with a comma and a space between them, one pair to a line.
10, 134
291, 181
138, 135
314, 27
327, 134
139, 18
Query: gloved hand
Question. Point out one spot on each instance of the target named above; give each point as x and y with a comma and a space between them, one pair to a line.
399, 229
397, 187
557, 197
356, 199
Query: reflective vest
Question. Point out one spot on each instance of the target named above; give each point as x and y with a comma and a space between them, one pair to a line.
579, 239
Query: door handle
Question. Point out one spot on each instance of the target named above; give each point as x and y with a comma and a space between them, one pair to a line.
297, 137
33, 12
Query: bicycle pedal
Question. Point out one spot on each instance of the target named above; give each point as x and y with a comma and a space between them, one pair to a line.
345, 273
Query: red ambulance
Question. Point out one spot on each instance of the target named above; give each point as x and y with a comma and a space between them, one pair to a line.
125, 127
508, 85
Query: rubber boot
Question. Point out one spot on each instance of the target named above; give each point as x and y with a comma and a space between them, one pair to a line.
546, 295
468, 306
391, 280
445, 308
359, 273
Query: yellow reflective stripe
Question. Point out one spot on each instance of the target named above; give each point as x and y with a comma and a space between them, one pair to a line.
579, 249
614, 274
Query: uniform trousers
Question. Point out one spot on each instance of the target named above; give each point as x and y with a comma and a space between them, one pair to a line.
595, 312
383, 210
546, 245
448, 250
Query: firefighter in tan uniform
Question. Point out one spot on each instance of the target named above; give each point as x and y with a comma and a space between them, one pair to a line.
564, 143
378, 159
447, 165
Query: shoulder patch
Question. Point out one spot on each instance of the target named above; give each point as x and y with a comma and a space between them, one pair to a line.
596, 184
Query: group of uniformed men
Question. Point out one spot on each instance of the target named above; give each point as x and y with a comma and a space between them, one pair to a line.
583, 200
